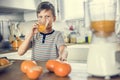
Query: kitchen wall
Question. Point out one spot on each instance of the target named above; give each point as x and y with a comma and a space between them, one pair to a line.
26, 26
11, 16
29, 16
5, 21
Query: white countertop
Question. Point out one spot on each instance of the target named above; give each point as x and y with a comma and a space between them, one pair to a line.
79, 46
14, 55
80, 68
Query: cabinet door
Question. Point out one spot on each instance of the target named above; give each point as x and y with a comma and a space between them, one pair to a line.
72, 9
18, 4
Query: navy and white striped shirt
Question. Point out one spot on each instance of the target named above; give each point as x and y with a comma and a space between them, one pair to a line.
45, 46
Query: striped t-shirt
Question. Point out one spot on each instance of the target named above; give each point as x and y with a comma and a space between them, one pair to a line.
45, 46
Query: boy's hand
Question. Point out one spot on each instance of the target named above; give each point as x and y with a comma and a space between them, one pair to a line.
35, 28
63, 53
61, 59
63, 56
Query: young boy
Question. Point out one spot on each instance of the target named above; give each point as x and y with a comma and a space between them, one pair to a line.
48, 44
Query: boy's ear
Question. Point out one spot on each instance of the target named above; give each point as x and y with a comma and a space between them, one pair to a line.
54, 18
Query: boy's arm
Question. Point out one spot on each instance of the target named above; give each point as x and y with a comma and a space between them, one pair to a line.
63, 53
25, 45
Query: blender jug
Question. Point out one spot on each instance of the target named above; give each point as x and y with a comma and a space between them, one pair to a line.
102, 15
101, 56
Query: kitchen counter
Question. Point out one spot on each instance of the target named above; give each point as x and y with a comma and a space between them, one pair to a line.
4, 51
14, 73
11, 50
78, 73
14, 55
70, 44
77, 53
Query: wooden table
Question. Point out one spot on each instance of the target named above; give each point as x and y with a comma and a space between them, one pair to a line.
14, 73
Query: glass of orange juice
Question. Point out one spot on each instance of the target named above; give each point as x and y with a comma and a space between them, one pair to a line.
42, 26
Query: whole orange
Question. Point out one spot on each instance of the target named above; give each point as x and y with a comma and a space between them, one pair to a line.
62, 69
26, 64
34, 72
50, 65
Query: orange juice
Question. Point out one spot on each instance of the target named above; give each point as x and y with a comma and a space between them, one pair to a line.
41, 28
106, 27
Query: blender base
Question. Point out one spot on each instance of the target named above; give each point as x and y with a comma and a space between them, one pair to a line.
105, 77
102, 60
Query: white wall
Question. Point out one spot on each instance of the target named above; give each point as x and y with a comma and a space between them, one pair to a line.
29, 16
72, 9
60, 26
25, 27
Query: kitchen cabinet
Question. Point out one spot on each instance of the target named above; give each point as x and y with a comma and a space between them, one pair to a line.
71, 9
16, 5
14, 55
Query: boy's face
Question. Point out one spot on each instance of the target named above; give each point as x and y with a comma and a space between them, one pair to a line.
46, 15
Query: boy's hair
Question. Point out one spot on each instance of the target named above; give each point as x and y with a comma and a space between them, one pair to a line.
47, 6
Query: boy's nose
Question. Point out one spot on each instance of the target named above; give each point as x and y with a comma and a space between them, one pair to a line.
43, 20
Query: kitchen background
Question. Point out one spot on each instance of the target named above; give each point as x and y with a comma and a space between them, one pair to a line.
17, 18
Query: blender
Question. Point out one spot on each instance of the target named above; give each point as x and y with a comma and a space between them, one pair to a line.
101, 59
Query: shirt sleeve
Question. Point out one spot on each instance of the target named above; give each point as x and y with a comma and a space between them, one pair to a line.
60, 40
35, 37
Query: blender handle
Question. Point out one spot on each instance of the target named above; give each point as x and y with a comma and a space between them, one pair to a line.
117, 28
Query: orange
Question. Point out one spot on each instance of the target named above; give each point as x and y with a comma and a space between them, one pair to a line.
27, 64
15, 44
50, 65
62, 69
34, 72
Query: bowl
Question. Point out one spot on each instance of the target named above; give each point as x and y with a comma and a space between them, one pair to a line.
4, 67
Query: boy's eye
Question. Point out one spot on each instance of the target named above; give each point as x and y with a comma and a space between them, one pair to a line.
39, 16
47, 16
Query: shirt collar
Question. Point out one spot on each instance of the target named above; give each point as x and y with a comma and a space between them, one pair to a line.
47, 33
